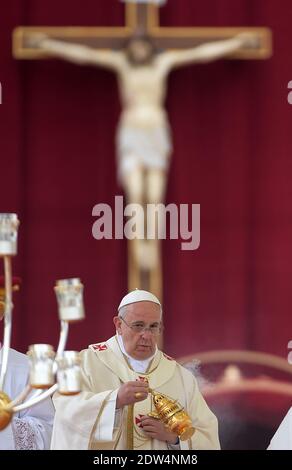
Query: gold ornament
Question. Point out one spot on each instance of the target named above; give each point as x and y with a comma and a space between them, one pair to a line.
172, 414
5, 413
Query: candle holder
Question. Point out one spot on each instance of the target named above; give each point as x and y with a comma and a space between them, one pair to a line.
41, 357
45, 364
8, 234
69, 375
69, 295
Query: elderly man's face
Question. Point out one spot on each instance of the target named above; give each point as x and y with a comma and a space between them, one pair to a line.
139, 345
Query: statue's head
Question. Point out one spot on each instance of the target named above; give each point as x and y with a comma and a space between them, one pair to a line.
140, 50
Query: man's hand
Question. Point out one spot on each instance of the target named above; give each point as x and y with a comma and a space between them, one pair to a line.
155, 428
131, 392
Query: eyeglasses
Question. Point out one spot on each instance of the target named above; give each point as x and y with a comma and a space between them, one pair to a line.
139, 327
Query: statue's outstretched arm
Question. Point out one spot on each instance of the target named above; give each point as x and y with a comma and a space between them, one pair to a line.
77, 53
207, 52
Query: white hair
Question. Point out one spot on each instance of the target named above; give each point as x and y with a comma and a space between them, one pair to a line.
123, 311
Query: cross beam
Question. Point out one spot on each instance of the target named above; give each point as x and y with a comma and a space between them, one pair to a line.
142, 18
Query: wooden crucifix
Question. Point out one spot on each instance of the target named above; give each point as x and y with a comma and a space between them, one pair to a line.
142, 53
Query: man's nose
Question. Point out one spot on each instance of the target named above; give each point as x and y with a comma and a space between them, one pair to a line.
147, 333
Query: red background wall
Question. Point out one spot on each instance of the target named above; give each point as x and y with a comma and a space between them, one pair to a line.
232, 154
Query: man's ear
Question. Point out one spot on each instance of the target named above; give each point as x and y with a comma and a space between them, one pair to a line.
117, 322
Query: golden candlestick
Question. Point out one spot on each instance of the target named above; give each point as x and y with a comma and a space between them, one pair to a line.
172, 414
43, 363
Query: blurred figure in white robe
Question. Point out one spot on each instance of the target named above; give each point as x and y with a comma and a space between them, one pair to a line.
282, 439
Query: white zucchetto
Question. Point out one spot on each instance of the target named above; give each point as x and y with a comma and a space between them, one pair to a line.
138, 295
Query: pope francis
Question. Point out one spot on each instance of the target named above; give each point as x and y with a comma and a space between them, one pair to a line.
112, 410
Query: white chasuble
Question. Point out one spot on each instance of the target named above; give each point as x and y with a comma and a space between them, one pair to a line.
90, 420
